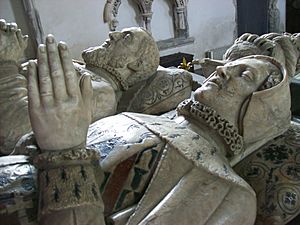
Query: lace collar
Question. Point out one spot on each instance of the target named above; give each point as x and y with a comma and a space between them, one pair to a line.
208, 115
112, 73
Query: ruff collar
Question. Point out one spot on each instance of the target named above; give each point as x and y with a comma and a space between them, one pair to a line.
198, 111
115, 76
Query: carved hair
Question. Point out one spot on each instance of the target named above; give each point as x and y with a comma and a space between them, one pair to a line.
283, 47
145, 65
148, 60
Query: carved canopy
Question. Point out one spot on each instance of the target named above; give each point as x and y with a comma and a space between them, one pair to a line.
145, 9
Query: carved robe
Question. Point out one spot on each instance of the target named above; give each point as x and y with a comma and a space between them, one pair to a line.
173, 175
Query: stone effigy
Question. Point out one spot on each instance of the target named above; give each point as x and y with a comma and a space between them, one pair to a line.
273, 178
138, 181
211, 134
125, 77
14, 120
129, 60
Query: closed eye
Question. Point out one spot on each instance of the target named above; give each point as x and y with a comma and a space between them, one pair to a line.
248, 75
127, 37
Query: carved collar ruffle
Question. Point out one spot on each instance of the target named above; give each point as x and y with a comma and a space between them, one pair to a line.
115, 76
198, 111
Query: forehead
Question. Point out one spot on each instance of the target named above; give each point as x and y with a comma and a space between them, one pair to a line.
251, 62
136, 31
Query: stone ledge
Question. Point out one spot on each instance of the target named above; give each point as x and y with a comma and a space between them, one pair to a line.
174, 42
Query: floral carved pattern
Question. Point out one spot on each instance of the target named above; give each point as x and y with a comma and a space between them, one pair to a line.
273, 171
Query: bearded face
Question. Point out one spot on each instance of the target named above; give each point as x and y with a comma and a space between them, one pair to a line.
98, 56
118, 51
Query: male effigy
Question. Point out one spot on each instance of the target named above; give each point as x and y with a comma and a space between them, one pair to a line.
206, 139
125, 77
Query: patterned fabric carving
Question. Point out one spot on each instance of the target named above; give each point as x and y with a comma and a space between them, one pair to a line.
161, 93
274, 173
68, 187
18, 191
124, 184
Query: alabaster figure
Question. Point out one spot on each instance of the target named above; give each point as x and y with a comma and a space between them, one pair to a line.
254, 117
272, 169
129, 60
153, 170
125, 77
283, 47
14, 120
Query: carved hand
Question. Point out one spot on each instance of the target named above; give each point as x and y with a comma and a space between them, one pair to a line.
12, 42
59, 101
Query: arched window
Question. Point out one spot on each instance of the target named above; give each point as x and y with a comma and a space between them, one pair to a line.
179, 8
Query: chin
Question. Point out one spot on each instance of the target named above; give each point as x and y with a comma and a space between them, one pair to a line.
205, 95
95, 56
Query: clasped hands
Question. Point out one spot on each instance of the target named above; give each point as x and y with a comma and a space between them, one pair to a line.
12, 42
60, 102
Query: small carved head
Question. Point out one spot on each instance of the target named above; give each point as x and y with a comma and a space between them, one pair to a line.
249, 44
283, 47
252, 93
132, 52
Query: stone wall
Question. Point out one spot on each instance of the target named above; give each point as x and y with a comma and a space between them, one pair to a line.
210, 24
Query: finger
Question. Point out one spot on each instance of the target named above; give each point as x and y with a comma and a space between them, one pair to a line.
71, 78
3, 25
12, 27
86, 90
33, 87
45, 82
56, 72
22, 39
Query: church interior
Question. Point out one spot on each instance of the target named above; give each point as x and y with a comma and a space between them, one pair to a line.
193, 38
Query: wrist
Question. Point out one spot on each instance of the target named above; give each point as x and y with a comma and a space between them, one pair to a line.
79, 155
7, 68
67, 180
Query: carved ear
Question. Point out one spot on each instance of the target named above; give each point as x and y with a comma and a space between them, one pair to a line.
141, 63
137, 65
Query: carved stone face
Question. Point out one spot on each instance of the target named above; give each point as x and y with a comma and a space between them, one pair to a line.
229, 86
119, 50
132, 52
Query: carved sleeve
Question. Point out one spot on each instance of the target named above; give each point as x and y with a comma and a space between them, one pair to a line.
68, 192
